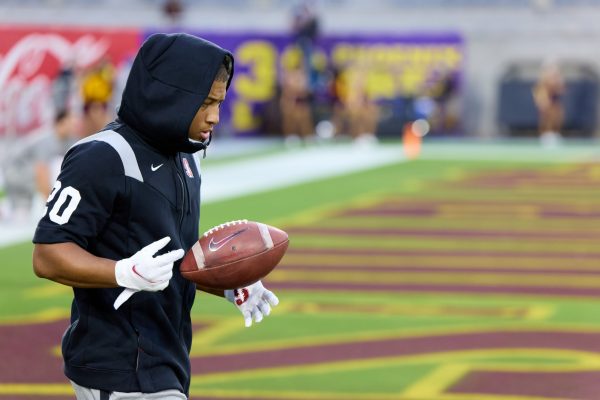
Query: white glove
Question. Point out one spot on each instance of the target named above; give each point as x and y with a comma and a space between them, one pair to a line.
253, 301
143, 271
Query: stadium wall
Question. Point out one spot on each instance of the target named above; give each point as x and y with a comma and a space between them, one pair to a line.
495, 37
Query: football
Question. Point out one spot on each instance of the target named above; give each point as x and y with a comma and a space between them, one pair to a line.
234, 255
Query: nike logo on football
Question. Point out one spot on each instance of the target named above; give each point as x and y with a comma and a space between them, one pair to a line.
153, 168
216, 245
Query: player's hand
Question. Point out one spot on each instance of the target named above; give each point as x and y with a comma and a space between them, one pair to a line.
253, 301
144, 271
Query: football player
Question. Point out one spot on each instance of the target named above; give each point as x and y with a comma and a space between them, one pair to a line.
125, 205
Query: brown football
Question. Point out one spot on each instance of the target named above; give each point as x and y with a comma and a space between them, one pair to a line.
234, 254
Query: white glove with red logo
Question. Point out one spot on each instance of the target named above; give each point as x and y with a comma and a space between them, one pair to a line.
143, 271
253, 301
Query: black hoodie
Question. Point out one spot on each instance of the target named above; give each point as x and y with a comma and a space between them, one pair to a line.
169, 80
122, 189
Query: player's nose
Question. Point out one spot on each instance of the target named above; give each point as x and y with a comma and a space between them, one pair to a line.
212, 117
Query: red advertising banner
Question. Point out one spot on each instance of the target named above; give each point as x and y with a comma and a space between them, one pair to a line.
31, 58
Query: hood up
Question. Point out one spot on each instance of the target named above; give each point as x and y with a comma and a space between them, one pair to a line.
169, 80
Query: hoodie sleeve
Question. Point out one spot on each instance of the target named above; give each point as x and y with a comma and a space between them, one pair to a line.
84, 195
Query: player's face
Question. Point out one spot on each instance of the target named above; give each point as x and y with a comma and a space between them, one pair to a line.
208, 114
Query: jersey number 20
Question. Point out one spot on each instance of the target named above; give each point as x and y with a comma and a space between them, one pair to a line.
68, 194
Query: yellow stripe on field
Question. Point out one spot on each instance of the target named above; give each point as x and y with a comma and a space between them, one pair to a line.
479, 396
36, 389
480, 224
443, 261
407, 242
317, 214
438, 278
532, 312
302, 395
437, 381
48, 290
481, 196
475, 359
293, 395
582, 362
546, 196
509, 326
208, 337
40, 317
471, 210
448, 291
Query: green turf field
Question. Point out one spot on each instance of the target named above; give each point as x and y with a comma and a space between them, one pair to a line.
431, 279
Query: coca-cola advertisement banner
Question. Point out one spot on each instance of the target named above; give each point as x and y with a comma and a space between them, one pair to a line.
31, 58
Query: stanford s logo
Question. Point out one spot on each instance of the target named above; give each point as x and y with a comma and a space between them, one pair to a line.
241, 296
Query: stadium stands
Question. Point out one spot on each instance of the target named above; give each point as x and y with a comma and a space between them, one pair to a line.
517, 114
373, 4
516, 32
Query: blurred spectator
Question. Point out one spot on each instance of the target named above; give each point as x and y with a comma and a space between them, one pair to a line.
295, 105
445, 114
337, 91
64, 87
547, 95
32, 168
172, 10
305, 27
97, 90
354, 111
